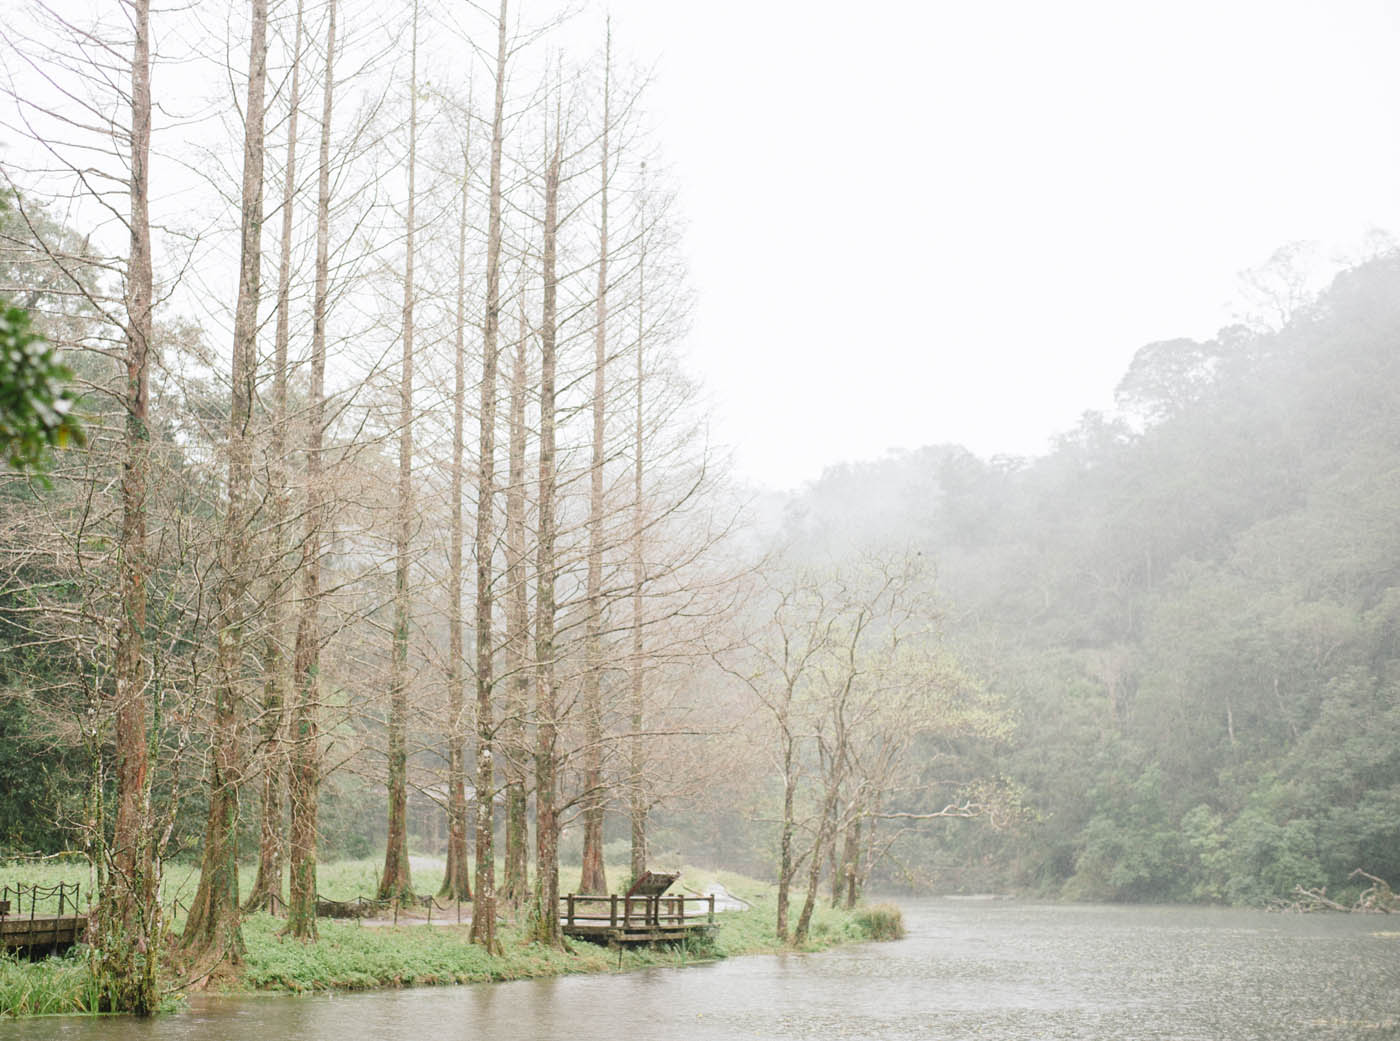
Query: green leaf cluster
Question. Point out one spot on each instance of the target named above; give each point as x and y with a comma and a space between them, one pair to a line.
36, 402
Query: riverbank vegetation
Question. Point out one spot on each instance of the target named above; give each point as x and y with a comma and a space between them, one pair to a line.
1190, 607
360, 955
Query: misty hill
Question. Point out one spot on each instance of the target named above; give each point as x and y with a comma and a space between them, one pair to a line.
1193, 606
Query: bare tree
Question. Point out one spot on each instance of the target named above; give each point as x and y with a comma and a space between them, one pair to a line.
594, 875
546, 910
637, 743
267, 886
514, 889
396, 881
484, 911
456, 878
212, 933
305, 774
130, 931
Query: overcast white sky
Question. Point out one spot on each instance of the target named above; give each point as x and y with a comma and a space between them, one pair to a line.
914, 223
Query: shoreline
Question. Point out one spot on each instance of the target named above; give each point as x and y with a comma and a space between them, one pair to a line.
351, 957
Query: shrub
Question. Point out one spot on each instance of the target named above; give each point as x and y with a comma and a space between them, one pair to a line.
880, 922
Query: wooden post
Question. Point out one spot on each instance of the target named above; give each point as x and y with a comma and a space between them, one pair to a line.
571, 910
712, 908
612, 911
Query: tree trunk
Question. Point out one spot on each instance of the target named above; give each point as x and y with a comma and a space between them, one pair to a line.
594, 878
129, 930
484, 912
396, 882
787, 829
305, 777
515, 889
267, 887
456, 880
213, 934
546, 912
814, 870
834, 862
637, 764
851, 860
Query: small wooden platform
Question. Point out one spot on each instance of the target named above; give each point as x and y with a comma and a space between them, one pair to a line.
642, 915
38, 934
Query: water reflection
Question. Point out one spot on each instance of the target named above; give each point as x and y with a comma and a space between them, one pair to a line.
991, 970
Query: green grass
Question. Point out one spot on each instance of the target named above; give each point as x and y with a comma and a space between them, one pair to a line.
881, 921
351, 956
55, 986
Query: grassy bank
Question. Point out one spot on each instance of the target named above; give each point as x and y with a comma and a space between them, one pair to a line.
353, 956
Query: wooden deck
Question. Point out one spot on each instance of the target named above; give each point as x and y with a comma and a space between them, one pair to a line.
617, 919
41, 933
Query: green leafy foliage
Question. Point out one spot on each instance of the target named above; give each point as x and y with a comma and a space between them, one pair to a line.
1193, 610
36, 403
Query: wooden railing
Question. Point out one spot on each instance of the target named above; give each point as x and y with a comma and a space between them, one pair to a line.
64, 897
628, 912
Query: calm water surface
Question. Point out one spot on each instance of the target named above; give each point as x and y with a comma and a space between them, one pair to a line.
969, 969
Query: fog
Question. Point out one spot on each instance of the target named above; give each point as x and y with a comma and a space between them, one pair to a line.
924, 449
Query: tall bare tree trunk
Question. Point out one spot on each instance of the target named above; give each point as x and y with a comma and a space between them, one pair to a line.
546, 914
850, 859
788, 827
484, 911
594, 877
267, 887
130, 930
305, 776
213, 934
456, 879
637, 759
825, 824
396, 881
833, 862
515, 887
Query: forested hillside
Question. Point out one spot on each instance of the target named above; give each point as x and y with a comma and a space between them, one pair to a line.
1192, 608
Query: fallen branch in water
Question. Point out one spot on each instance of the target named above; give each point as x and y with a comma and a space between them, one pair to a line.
1378, 898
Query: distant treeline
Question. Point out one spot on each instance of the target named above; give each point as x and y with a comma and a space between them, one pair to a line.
1193, 607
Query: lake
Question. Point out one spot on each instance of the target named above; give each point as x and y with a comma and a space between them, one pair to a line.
969, 969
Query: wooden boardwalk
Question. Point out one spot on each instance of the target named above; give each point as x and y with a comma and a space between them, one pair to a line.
38, 934
614, 919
